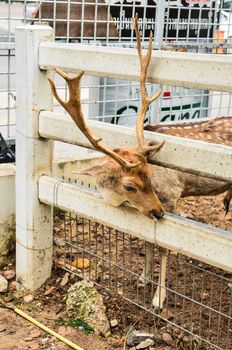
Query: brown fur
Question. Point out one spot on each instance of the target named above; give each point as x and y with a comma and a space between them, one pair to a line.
180, 184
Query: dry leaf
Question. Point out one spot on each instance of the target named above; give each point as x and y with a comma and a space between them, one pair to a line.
49, 291
64, 280
81, 263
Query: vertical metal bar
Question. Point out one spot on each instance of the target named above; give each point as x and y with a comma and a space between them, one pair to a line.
116, 260
77, 239
123, 263
83, 245
219, 315
103, 252
109, 255
159, 23
96, 250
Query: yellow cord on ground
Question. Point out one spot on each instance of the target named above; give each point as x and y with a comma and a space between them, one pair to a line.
46, 329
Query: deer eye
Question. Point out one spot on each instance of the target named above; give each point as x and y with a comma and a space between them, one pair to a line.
130, 188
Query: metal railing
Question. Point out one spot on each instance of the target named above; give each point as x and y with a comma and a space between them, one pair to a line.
198, 297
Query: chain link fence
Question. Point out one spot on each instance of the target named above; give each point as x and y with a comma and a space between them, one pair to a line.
198, 304
191, 25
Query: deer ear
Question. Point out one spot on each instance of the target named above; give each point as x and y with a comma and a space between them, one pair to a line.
150, 152
92, 171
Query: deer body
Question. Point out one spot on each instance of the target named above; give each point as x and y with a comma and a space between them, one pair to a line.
218, 131
171, 185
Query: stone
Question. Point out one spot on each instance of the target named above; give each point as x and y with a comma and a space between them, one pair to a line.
7, 236
9, 274
136, 337
145, 344
13, 284
3, 284
44, 341
28, 298
86, 304
167, 338
59, 242
65, 331
113, 323
35, 334
2, 328
168, 314
27, 339
34, 346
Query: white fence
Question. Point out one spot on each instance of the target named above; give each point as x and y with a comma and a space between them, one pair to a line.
37, 191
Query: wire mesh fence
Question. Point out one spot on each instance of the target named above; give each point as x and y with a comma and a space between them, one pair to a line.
198, 297
193, 25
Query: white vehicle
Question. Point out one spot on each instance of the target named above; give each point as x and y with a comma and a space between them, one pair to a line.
31, 10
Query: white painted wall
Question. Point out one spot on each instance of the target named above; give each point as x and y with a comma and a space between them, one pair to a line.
7, 211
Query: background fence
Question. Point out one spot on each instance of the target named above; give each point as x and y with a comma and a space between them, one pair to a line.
202, 26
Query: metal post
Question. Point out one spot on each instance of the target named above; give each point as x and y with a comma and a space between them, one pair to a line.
158, 42
33, 158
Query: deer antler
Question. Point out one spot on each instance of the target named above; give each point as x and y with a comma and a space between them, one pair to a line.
73, 107
145, 100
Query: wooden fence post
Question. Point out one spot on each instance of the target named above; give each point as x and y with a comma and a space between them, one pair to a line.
34, 220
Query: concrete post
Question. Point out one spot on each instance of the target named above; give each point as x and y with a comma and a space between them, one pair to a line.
33, 158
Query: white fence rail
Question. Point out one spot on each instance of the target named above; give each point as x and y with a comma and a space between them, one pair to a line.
199, 71
173, 154
37, 192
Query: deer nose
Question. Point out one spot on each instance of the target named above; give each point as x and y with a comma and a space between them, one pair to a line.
157, 215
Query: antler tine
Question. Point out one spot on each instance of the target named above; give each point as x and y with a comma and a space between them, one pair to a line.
73, 107
145, 100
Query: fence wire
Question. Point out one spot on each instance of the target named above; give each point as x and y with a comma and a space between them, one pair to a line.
198, 297
191, 25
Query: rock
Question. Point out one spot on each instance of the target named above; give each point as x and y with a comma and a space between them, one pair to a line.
34, 346
59, 242
7, 236
2, 328
136, 337
64, 280
44, 341
8, 299
85, 303
35, 334
145, 344
3, 284
28, 298
65, 331
27, 339
113, 323
167, 338
168, 314
9, 274
13, 284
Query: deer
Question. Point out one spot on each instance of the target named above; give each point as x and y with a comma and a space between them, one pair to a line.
125, 175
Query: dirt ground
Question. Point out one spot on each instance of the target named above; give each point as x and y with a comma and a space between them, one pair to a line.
48, 304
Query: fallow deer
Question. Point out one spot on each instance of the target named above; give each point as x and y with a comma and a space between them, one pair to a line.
124, 173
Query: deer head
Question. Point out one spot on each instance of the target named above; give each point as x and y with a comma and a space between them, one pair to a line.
124, 174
